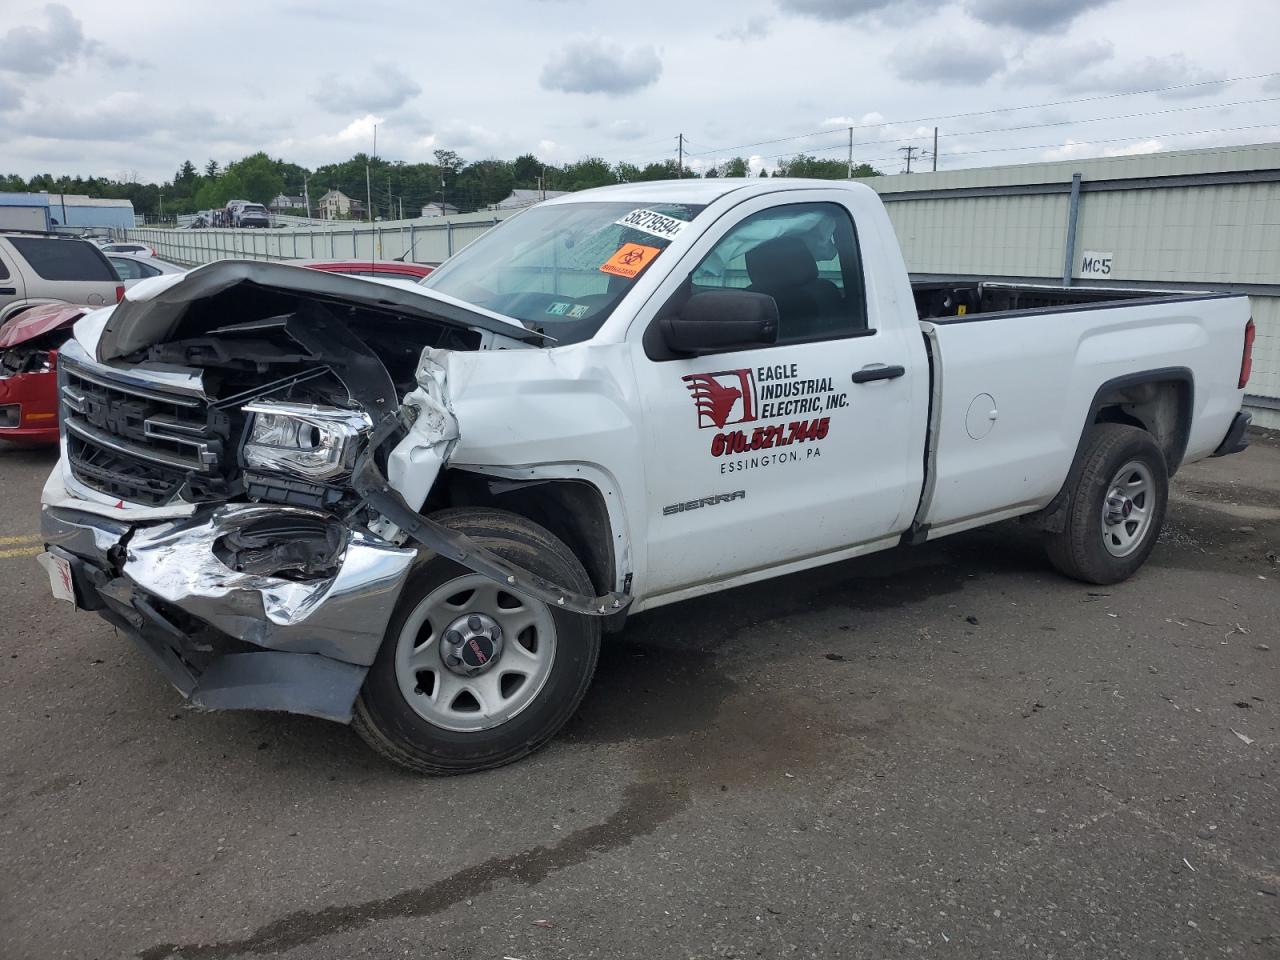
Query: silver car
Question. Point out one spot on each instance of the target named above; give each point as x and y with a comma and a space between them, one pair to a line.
133, 268
38, 268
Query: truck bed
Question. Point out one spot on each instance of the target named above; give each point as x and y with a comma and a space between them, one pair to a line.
1012, 388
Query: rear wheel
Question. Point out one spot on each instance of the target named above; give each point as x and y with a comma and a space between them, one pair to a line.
1119, 492
472, 675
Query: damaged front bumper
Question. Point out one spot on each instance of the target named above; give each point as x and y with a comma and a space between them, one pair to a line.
238, 638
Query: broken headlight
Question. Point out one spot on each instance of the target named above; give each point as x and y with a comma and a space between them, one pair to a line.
316, 443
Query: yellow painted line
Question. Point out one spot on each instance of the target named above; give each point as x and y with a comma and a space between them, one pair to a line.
25, 538
20, 552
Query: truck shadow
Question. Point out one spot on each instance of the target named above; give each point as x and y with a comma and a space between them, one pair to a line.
671, 670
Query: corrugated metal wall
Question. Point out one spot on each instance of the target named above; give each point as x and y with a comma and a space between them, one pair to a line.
1198, 219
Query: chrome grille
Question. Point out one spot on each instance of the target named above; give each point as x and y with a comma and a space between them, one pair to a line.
141, 441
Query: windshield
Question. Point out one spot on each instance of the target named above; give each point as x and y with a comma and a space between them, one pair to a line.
562, 268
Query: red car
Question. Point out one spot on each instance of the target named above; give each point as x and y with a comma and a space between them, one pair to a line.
385, 269
29, 352
29, 372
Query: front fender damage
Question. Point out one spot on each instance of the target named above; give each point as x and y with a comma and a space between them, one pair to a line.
417, 460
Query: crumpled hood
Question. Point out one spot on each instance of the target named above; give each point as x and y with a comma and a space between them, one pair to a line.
152, 311
38, 321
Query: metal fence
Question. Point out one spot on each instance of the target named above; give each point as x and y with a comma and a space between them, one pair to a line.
427, 241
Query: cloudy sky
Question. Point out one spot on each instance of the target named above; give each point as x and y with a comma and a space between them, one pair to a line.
117, 89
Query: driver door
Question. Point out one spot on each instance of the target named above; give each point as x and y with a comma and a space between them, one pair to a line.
771, 454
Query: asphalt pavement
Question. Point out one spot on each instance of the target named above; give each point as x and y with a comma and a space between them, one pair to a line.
948, 751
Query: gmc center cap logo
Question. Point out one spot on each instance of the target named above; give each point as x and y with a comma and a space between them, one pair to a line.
723, 398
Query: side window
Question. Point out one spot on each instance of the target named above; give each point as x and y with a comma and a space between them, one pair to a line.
127, 269
806, 257
63, 259
147, 270
4, 269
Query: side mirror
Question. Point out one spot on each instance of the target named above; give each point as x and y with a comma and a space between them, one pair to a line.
720, 321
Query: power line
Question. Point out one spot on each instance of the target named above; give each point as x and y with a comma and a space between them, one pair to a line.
1051, 146
1031, 126
994, 110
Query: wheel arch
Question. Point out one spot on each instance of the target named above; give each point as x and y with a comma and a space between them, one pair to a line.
574, 510
1159, 401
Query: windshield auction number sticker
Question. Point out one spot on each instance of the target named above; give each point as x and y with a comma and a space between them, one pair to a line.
653, 223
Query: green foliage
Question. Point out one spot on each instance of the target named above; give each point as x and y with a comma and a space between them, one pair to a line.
526, 170
393, 184
803, 165
258, 177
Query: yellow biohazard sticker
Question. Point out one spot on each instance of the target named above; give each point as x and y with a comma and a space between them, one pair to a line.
629, 260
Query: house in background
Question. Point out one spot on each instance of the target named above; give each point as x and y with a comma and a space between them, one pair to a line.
285, 202
436, 210
336, 205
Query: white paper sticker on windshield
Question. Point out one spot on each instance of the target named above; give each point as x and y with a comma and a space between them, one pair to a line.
651, 222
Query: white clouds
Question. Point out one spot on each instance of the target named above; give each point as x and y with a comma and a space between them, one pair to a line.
723, 72
1157, 73
837, 10
946, 61
385, 87
1031, 15
753, 28
1055, 62
10, 96
1079, 149
626, 130
40, 50
599, 66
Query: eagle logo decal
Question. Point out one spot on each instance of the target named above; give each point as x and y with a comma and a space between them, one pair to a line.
723, 398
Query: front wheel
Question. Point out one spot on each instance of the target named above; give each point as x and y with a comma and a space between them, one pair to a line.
471, 675
1119, 492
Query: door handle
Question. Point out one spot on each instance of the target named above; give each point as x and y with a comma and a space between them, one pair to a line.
8, 291
867, 374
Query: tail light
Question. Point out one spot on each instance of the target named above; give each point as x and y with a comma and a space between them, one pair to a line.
1246, 361
51, 360
120, 294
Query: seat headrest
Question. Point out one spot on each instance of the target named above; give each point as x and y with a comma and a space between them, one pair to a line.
781, 263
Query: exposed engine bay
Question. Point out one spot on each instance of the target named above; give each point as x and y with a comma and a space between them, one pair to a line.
267, 384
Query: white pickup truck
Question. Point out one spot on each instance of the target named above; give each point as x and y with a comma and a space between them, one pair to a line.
419, 508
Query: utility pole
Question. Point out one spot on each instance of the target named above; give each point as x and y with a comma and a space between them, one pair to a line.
911, 155
850, 177
935, 149
391, 201
368, 189
680, 162
306, 195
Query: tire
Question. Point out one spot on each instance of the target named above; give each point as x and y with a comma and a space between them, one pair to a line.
1104, 541
413, 708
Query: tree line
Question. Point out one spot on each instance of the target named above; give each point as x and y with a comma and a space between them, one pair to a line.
392, 185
